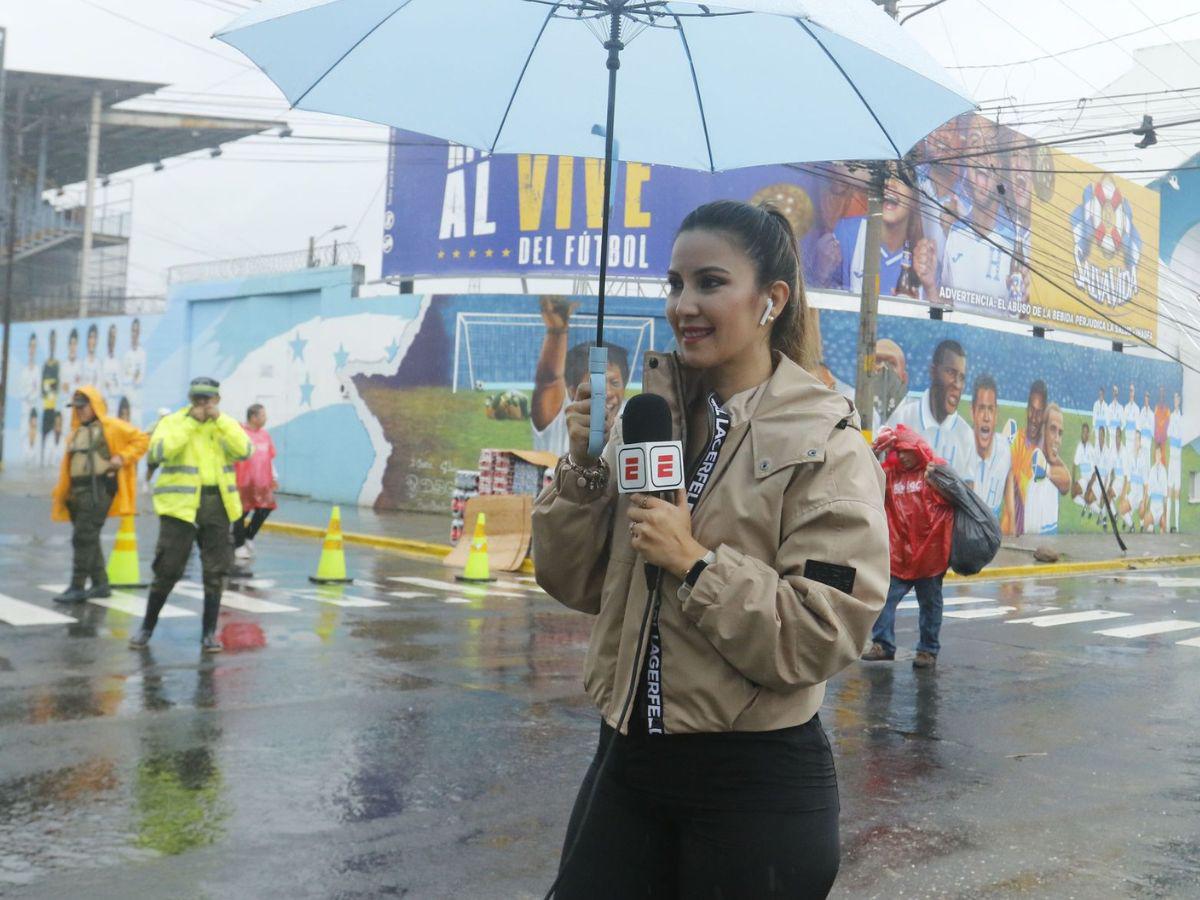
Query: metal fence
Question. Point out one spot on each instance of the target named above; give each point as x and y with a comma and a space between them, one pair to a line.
334, 254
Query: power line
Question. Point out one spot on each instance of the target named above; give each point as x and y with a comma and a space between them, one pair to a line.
165, 34
1131, 56
1090, 46
1014, 28
1031, 143
367, 208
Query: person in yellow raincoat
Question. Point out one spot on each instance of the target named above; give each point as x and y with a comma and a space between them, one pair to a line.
97, 480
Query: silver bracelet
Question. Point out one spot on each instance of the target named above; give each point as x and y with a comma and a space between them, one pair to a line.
593, 478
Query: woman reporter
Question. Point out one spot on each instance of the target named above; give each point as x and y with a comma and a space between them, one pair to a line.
713, 776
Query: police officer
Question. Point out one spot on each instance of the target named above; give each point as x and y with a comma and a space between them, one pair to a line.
97, 481
196, 497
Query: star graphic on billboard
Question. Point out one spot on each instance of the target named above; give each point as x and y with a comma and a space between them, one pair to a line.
456, 254
441, 254
306, 391
489, 253
340, 356
297, 344
506, 253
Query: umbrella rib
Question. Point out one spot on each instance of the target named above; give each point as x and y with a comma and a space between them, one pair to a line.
351, 49
849, 81
525, 68
687, 51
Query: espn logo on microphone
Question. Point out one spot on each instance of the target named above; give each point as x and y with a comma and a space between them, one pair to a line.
650, 467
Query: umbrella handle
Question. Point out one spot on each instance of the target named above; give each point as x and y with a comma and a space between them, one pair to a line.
598, 372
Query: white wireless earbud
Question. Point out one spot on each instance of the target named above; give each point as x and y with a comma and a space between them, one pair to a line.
766, 316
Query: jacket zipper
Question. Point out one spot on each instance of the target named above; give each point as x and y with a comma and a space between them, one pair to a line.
628, 706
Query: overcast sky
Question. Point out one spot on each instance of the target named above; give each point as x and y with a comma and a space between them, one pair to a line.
269, 195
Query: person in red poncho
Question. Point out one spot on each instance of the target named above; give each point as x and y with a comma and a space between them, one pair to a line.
256, 481
920, 527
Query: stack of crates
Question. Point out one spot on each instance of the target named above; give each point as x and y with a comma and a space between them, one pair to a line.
502, 472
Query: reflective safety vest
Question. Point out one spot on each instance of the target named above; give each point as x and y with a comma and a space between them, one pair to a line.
184, 449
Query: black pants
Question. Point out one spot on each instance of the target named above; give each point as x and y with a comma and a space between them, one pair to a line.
701, 837
88, 505
242, 531
175, 537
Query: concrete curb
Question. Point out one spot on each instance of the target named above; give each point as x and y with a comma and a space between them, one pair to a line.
1042, 570
430, 551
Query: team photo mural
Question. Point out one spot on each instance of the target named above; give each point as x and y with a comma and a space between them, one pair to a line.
1040, 429
49, 361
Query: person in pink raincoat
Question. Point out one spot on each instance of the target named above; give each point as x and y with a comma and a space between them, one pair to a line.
256, 483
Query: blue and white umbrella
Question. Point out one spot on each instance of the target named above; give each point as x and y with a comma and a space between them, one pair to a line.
701, 86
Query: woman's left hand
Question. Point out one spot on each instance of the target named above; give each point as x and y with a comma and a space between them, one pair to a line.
662, 532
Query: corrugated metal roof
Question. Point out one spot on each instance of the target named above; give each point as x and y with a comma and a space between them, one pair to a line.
63, 103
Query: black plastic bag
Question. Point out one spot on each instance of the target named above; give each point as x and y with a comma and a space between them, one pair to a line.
976, 538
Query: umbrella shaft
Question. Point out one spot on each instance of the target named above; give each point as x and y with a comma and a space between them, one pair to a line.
614, 47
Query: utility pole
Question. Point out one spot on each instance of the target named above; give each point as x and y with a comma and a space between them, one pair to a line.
89, 207
12, 147
868, 309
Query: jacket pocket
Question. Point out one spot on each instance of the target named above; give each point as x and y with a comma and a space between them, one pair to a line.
755, 691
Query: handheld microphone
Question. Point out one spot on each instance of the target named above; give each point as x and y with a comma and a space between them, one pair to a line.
648, 461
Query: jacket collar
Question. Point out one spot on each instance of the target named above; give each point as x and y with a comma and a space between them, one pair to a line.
791, 424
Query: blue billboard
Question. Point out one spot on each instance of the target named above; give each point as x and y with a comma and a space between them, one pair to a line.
454, 211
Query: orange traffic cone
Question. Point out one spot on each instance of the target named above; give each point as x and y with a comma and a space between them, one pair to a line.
331, 569
477, 557
123, 569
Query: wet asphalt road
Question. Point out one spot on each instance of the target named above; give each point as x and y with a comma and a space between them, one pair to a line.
427, 742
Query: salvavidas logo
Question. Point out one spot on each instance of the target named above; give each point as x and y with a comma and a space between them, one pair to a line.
1108, 247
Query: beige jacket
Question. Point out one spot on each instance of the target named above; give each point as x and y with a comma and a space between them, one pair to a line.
750, 647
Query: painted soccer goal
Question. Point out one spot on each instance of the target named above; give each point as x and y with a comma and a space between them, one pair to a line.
494, 351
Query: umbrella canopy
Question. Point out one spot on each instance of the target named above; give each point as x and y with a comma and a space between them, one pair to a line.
701, 86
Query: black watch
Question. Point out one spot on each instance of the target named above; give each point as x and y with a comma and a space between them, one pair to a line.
694, 572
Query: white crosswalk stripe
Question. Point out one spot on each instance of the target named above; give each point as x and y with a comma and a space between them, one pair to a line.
455, 587
1190, 642
235, 599
1165, 580
19, 613
991, 612
133, 604
1148, 628
351, 601
948, 601
408, 595
521, 585
334, 597
1091, 615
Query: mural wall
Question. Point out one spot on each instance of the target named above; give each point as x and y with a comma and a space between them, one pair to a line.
379, 401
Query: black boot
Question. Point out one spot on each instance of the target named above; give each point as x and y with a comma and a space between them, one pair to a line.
154, 604
76, 593
100, 589
141, 640
208, 637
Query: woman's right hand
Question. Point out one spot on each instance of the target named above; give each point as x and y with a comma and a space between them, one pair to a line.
579, 423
